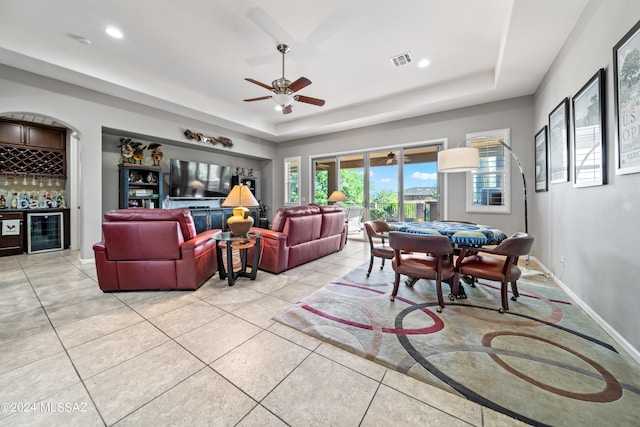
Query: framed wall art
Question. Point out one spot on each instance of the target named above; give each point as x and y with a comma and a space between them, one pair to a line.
626, 66
559, 143
589, 133
542, 182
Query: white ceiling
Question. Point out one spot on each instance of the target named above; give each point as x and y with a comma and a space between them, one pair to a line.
191, 56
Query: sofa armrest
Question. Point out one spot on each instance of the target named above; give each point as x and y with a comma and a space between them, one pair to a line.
274, 251
200, 239
269, 234
198, 261
105, 269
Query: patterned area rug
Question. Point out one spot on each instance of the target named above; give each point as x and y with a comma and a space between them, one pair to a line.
544, 362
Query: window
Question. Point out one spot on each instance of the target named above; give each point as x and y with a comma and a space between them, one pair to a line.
488, 186
396, 183
291, 181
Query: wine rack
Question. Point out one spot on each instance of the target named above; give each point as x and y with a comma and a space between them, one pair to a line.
29, 161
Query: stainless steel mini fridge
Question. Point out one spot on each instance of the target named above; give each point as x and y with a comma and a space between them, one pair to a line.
45, 232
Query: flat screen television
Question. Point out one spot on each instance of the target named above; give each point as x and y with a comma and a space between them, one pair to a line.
196, 180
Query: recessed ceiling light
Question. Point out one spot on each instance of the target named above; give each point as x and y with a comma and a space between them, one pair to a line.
114, 32
423, 63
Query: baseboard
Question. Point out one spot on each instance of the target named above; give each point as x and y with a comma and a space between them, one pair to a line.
87, 260
631, 350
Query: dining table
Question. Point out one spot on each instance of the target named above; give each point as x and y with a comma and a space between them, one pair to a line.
460, 233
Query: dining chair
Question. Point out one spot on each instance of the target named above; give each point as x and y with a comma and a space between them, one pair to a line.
499, 264
421, 256
377, 233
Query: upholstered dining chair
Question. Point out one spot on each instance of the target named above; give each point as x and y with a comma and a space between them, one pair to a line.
377, 233
421, 256
499, 264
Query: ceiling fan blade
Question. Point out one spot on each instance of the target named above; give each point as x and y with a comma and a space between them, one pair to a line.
266, 86
309, 100
287, 109
302, 82
258, 99
268, 24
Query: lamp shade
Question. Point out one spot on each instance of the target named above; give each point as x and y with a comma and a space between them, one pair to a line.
337, 196
459, 159
240, 197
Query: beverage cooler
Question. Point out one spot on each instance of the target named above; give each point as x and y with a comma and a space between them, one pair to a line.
45, 232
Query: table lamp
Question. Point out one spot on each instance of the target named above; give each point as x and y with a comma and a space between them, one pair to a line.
239, 198
337, 196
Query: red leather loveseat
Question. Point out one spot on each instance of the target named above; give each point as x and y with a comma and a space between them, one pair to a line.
153, 249
300, 234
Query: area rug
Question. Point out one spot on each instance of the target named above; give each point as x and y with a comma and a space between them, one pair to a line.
544, 362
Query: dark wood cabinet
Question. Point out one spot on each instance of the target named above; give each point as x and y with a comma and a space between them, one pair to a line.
32, 134
11, 133
32, 149
49, 138
12, 235
140, 186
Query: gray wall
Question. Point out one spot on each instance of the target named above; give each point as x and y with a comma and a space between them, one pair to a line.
111, 158
516, 114
87, 113
594, 228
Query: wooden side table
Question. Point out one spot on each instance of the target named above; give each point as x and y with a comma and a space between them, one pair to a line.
241, 244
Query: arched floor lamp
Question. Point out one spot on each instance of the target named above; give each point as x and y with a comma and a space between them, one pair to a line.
465, 159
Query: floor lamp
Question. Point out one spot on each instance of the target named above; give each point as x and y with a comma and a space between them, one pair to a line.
465, 159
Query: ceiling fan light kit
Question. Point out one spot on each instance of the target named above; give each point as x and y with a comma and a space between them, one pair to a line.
284, 89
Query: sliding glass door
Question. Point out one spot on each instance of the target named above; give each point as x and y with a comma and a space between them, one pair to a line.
352, 179
420, 184
325, 179
399, 184
383, 185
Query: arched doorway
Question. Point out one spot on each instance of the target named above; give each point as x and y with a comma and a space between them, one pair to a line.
70, 185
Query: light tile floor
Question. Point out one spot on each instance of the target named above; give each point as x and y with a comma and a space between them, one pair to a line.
71, 355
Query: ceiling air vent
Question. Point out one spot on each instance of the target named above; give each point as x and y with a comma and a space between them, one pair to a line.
402, 59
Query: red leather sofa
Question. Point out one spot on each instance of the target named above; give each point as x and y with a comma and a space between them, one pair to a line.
153, 249
300, 234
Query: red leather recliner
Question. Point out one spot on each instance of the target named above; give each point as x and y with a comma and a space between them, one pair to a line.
301, 234
153, 249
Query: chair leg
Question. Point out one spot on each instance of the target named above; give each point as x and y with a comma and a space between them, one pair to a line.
382, 265
440, 298
370, 266
514, 290
504, 296
396, 285
455, 286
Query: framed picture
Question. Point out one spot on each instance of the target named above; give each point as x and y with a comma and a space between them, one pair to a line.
559, 143
542, 183
626, 66
589, 133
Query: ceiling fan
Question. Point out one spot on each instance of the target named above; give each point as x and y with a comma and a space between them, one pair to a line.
391, 157
284, 89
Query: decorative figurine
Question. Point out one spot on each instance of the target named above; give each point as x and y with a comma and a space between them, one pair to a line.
156, 153
126, 149
138, 152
